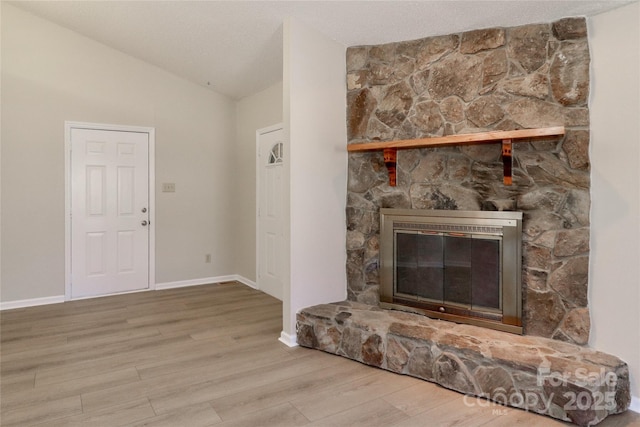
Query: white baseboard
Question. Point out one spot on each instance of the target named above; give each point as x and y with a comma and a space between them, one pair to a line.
288, 340
206, 281
245, 281
635, 404
9, 305
193, 282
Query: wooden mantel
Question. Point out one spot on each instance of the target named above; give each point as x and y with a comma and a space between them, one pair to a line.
390, 148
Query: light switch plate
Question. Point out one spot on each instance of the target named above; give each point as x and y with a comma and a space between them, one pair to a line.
168, 187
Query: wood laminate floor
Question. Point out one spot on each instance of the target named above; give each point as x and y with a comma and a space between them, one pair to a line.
207, 356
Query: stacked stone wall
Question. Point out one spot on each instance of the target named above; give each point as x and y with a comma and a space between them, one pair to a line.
493, 79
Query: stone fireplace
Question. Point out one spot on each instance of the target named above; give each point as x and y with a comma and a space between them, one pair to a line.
498, 79
494, 79
453, 265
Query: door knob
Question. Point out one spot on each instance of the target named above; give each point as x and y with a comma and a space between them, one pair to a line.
144, 210
144, 222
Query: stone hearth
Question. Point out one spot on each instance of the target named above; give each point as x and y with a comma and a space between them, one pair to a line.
561, 380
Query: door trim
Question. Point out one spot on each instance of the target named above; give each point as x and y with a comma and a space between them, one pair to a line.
259, 133
68, 125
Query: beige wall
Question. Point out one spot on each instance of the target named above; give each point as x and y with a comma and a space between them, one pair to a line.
254, 112
316, 133
49, 75
614, 288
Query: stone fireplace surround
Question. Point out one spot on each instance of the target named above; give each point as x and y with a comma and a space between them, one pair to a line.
491, 79
533, 76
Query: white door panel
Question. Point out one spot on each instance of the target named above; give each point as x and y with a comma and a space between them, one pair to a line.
271, 157
109, 202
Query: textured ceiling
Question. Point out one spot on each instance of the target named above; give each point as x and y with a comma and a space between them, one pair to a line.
235, 47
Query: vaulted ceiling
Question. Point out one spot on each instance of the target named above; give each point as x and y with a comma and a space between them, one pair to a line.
235, 47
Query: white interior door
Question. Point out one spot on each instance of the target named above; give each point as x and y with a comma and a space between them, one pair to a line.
270, 237
109, 212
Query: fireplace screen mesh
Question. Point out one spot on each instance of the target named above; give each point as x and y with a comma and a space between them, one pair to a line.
461, 270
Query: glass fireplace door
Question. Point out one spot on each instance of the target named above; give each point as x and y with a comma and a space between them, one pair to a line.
458, 270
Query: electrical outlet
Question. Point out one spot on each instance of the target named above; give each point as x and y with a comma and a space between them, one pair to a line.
168, 187
207, 258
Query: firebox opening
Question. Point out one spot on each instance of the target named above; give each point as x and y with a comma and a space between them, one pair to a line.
454, 265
